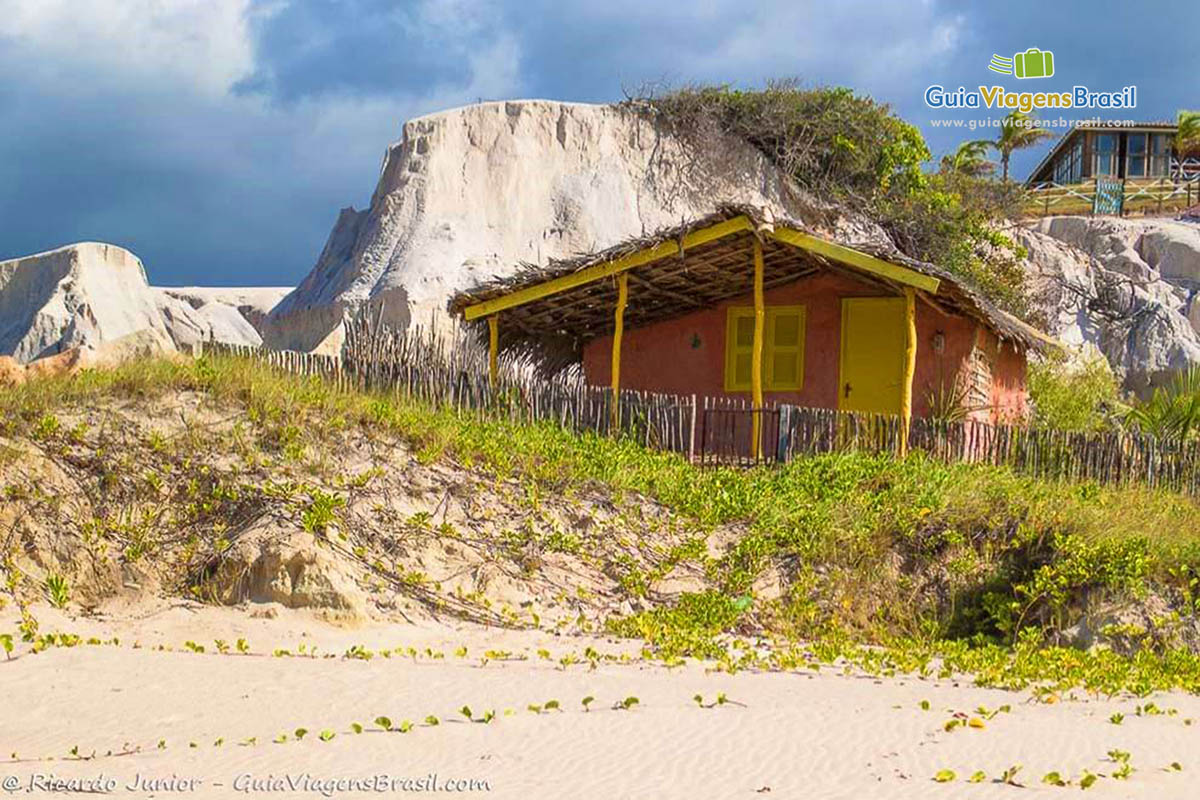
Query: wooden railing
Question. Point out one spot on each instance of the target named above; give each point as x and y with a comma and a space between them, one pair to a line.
717, 431
1157, 196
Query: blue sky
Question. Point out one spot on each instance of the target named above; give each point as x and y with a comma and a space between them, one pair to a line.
217, 139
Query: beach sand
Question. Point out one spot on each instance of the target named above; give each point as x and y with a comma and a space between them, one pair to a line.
782, 735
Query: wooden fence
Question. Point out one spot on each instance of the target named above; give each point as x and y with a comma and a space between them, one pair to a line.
1120, 458
1159, 196
452, 373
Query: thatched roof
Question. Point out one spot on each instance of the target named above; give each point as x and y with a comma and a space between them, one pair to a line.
549, 332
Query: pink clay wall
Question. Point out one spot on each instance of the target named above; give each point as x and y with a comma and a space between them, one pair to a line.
686, 355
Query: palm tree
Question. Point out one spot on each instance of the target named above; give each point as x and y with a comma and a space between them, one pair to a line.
1187, 135
969, 159
1173, 411
1017, 132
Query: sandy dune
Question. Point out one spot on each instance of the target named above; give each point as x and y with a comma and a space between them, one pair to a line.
791, 735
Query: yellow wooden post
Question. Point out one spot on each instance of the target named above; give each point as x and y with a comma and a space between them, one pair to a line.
910, 365
493, 349
756, 352
618, 332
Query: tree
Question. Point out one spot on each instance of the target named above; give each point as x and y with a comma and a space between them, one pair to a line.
1187, 135
969, 159
1173, 411
1017, 132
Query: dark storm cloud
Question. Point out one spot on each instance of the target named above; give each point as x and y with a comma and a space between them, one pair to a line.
218, 138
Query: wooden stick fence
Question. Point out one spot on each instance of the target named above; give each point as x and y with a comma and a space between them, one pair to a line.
453, 373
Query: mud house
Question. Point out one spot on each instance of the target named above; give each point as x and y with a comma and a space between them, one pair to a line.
739, 305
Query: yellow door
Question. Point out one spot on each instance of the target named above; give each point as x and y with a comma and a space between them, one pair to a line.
872, 357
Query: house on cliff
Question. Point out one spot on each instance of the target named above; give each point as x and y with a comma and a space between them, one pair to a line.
737, 304
1141, 151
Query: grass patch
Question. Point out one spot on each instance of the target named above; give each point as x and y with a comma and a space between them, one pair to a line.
860, 548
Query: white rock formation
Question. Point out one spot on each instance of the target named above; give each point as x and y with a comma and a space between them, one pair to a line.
253, 302
79, 295
194, 314
1147, 249
90, 294
468, 194
1128, 287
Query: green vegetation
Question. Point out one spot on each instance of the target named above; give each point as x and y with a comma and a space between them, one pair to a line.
58, 592
962, 569
320, 513
829, 138
76, 753
1173, 411
1187, 135
1084, 398
851, 149
1017, 132
970, 158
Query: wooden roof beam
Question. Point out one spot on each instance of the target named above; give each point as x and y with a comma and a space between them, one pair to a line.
609, 268
663, 292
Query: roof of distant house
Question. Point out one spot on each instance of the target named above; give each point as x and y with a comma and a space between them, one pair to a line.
1152, 126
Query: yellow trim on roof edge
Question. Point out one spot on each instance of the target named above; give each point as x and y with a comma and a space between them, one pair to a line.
866, 263
791, 236
608, 268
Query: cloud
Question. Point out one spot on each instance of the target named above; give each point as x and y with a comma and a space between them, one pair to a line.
218, 138
322, 48
131, 122
203, 43
597, 46
588, 49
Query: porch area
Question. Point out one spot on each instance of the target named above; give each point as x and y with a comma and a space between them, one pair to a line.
615, 312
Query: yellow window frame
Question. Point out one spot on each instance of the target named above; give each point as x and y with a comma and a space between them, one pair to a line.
770, 349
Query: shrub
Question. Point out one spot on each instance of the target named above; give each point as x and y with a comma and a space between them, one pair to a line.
830, 140
686, 628
855, 151
1082, 397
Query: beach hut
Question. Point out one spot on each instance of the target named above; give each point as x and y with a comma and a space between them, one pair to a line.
740, 304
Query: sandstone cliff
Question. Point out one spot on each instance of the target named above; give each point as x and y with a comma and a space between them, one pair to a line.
87, 295
467, 194
198, 314
76, 295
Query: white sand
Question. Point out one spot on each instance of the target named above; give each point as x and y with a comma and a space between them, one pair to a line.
798, 735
